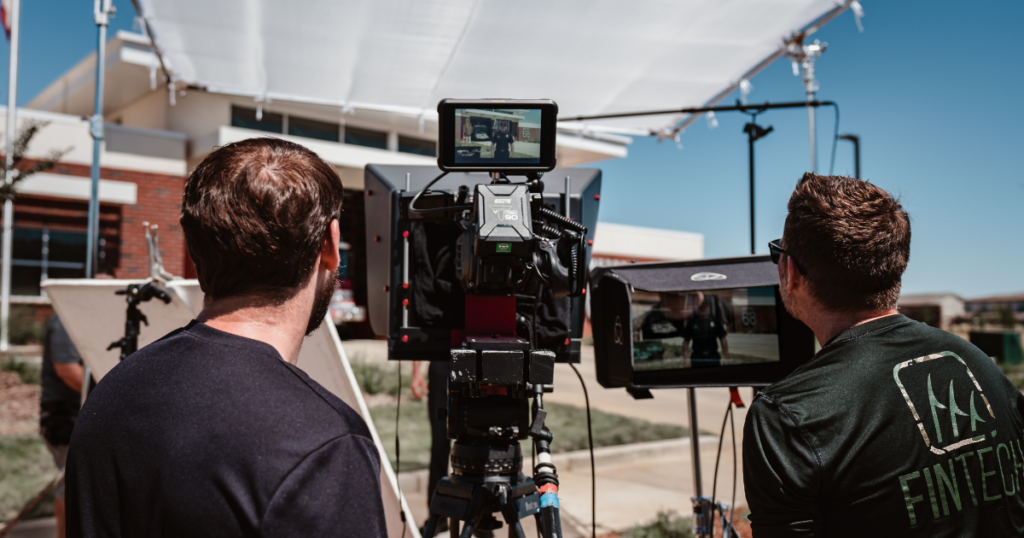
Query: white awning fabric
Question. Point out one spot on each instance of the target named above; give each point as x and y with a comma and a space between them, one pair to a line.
403, 56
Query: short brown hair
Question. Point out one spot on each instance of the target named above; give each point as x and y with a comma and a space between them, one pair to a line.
850, 239
254, 215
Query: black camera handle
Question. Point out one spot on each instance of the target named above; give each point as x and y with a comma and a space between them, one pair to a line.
136, 294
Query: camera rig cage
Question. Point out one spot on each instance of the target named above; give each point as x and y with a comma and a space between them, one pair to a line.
392, 242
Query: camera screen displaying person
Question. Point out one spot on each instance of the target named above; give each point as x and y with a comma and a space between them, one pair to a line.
706, 329
497, 136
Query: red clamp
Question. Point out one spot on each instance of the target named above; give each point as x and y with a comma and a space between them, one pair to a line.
734, 394
548, 487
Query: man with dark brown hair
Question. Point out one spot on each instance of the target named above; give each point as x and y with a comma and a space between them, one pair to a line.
894, 428
212, 430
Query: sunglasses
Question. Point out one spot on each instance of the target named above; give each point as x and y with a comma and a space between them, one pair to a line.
776, 250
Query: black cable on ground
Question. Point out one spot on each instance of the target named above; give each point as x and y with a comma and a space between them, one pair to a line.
398, 453
593, 474
732, 426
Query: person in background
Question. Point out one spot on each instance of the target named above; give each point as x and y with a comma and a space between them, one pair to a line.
435, 389
705, 331
59, 402
503, 144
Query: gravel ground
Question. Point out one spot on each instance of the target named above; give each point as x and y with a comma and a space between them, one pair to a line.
19, 405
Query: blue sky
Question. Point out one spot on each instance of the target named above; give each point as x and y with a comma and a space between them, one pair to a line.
931, 87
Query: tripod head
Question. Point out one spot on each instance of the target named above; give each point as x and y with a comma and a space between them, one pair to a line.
135, 295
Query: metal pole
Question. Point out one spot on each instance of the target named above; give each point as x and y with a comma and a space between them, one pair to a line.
8, 232
695, 443
101, 14
810, 131
750, 139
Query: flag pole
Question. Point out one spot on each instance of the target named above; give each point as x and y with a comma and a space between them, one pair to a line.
8, 231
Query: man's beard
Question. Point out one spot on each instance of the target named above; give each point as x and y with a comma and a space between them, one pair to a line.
322, 302
787, 300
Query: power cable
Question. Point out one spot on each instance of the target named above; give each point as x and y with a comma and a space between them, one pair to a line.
412, 204
593, 474
398, 453
714, 484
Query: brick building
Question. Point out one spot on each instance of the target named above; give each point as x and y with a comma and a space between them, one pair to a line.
153, 138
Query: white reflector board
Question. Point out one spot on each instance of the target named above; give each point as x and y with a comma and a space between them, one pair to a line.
94, 316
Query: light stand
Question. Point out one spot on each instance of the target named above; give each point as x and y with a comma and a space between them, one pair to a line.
803, 57
754, 133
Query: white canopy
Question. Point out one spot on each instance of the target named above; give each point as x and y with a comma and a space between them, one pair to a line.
403, 56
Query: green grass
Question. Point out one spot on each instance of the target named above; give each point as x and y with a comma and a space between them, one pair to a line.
25, 468
567, 423
1015, 373
376, 378
667, 525
30, 374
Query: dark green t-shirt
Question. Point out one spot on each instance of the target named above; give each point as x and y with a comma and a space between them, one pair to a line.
894, 428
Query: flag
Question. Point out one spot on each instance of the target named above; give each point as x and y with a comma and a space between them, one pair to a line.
5, 15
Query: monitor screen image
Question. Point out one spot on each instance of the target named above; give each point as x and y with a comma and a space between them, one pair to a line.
496, 136
704, 329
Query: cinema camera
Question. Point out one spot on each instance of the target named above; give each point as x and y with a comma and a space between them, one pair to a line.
489, 274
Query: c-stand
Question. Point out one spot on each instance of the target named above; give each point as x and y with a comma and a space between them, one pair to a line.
136, 294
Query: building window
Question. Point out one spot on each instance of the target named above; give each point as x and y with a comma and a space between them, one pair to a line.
246, 119
366, 137
418, 146
38, 254
319, 130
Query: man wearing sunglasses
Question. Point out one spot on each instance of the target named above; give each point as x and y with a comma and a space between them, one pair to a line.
894, 428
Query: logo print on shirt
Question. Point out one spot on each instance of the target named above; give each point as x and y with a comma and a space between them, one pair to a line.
951, 407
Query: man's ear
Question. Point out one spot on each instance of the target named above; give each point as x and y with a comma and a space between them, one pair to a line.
795, 280
329, 256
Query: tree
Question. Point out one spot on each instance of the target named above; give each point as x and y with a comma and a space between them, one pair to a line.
28, 131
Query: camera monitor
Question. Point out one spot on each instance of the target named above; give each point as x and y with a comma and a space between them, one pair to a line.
707, 323
491, 135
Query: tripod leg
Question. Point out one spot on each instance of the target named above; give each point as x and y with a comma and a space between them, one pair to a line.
515, 528
453, 526
431, 526
467, 531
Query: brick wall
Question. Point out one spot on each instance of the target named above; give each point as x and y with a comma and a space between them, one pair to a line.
125, 254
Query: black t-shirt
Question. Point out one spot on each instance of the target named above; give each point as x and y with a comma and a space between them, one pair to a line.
894, 428
502, 141
205, 433
704, 332
57, 397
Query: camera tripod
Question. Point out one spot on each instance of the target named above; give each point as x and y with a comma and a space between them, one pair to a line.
487, 479
136, 294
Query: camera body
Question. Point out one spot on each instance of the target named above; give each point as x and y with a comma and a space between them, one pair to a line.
435, 276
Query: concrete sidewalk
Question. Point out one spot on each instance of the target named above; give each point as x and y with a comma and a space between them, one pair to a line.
634, 482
